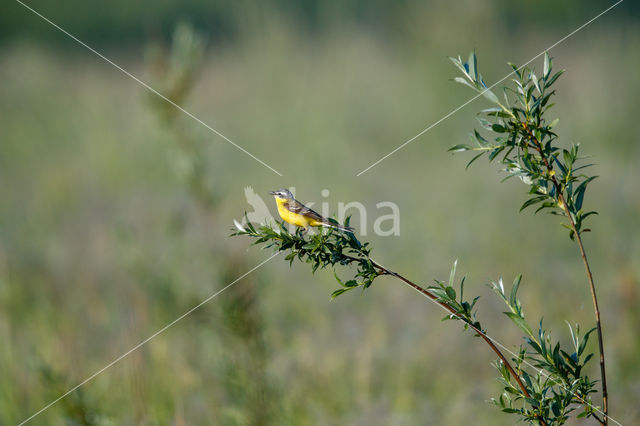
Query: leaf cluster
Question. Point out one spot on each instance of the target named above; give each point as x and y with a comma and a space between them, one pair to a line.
330, 247
516, 132
559, 386
446, 295
524, 142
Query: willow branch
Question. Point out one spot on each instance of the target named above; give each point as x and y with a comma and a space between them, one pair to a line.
592, 287
479, 332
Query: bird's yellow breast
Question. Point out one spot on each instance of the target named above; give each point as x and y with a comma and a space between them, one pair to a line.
290, 217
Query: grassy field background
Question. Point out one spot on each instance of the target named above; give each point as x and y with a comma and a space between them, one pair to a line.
103, 241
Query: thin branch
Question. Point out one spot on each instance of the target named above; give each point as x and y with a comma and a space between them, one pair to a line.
592, 287
453, 312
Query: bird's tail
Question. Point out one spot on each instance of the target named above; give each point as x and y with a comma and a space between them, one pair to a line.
338, 226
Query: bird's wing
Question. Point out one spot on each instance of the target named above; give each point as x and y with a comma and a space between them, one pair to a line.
297, 207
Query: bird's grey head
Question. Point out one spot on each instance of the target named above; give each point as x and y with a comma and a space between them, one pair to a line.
282, 193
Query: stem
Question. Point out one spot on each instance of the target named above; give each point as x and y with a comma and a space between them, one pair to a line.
605, 400
592, 414
592, 287
480, 333
385, 271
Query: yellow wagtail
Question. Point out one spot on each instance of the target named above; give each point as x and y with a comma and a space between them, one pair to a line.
294, 212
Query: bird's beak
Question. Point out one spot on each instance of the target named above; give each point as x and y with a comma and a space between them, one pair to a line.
273, 192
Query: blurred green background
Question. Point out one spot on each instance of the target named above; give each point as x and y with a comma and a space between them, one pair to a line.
115, 209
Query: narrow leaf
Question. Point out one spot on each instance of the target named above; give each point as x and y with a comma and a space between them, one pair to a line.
451, 292
499, 128
464, 81
474, 159
520, 322
452, 274
532, 201
554, 78
473, 66
339, 292
547, 65
514, 290
490, 96
460, 147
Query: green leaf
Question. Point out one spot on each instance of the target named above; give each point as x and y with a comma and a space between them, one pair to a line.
568, 158
474, 159
452, 274
585, 340
460, 147
536, 84
534, 345
465, 82
516, 69
547, 65
481, 141
473, 66
546, 205
486, 124
491, 111
586, 359
496, 112
451, 292
458, 63
532, 201
553, 79
439, 293
499, 128
533, 402
579, 194
338, 292
490, 96
498, 289
585, 182
520, 322
514, 290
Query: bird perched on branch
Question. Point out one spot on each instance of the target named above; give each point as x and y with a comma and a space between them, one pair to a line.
294, 212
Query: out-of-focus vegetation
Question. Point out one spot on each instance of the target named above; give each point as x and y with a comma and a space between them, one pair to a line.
120, 21
114, 216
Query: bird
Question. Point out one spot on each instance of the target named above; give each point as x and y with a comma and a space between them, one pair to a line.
294, 212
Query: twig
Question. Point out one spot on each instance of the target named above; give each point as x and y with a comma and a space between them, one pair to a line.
479, 332
592, 287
